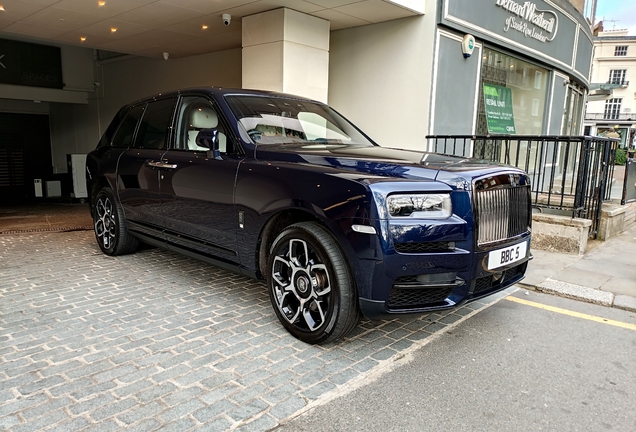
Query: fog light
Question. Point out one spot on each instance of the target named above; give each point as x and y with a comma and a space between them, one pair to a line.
437, 278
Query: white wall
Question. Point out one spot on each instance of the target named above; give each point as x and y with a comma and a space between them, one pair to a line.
380, 78
73, 130
125, 81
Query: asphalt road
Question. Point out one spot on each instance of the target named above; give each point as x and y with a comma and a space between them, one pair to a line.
511, 367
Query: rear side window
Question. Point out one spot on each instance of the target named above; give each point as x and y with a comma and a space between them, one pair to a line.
154, 126
124, 135
112, 128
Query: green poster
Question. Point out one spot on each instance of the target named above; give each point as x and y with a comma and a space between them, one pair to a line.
498, 103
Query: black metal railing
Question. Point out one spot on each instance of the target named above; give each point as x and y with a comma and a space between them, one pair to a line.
610, 116
572, 174
619, 82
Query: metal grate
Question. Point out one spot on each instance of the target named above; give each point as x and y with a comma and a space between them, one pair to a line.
422, 247
413, 298
11, 168
488, 282
406, 279
502, 213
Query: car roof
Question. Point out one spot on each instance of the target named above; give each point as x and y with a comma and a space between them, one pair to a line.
220, 92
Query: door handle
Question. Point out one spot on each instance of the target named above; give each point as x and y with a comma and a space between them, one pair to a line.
160, 165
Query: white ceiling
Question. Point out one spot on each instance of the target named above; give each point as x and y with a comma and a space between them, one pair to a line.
150, 27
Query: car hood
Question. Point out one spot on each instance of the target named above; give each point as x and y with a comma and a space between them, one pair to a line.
381, 163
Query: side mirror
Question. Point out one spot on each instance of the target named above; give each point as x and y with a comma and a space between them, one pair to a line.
209, 138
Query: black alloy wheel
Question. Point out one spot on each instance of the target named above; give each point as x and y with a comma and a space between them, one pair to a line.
109, 223
310, 285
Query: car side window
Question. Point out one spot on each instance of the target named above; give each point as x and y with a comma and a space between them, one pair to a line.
198, 116
107, 138
126, 131
155, 124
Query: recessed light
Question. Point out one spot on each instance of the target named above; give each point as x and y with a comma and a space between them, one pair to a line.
113, 29
101, 3
204, 27
82, 38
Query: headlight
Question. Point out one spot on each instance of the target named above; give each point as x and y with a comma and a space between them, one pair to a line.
420, 206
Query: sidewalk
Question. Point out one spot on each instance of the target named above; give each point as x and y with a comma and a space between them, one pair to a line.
605, 275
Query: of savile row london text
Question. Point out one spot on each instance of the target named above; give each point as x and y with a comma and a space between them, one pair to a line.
546, 21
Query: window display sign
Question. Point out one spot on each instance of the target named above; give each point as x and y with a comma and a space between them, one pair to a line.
28, 64
499, 114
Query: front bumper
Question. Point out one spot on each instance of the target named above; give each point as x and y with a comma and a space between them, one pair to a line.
396, 291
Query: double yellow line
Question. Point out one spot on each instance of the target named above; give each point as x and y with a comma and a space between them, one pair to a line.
572, 313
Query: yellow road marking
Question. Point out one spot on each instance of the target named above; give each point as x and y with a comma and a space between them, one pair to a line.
572, 313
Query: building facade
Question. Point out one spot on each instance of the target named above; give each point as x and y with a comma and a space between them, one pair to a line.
612, 102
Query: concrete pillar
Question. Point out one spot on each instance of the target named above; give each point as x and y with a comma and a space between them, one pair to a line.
286, 51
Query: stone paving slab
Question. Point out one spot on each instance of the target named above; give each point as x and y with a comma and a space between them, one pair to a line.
154, 341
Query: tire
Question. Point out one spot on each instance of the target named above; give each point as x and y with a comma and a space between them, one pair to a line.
310, 286
110, 225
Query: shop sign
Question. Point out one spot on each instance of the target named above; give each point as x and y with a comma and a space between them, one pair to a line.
28, 64
499, 115
525, 18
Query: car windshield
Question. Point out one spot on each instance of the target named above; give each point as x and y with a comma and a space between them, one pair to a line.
276, 120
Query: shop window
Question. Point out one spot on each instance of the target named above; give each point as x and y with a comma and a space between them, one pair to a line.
612, 108
617, 76
513, 95
620, 50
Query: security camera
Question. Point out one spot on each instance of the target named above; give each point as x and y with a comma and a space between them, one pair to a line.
97, 83
226, 19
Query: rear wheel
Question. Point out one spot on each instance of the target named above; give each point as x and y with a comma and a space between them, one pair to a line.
109, 223
310, 286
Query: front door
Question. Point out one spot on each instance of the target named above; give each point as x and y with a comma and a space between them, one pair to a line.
197, 194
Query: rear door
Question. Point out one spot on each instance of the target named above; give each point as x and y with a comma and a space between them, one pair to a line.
148, 130
197, 194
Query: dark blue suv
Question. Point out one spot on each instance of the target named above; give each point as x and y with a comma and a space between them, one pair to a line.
282, 188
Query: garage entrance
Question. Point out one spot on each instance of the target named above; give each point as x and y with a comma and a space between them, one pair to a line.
25, 155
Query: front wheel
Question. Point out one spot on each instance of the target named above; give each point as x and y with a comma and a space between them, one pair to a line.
109, 223
310, 285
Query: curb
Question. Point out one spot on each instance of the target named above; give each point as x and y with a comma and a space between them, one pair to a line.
581, 293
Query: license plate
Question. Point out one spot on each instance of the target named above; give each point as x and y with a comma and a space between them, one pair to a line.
507, 255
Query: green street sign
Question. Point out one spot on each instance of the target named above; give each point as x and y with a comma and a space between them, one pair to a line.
499, 115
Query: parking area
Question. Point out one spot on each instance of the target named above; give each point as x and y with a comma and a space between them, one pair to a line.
156, 340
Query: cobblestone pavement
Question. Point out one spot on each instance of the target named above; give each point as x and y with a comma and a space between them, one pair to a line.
158, 341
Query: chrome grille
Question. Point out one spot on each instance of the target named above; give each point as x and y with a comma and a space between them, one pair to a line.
501, 213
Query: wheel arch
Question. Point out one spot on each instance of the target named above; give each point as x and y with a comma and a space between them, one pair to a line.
284, 218
274, 226
96, 185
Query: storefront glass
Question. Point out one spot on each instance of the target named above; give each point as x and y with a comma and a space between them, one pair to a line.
512, 95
